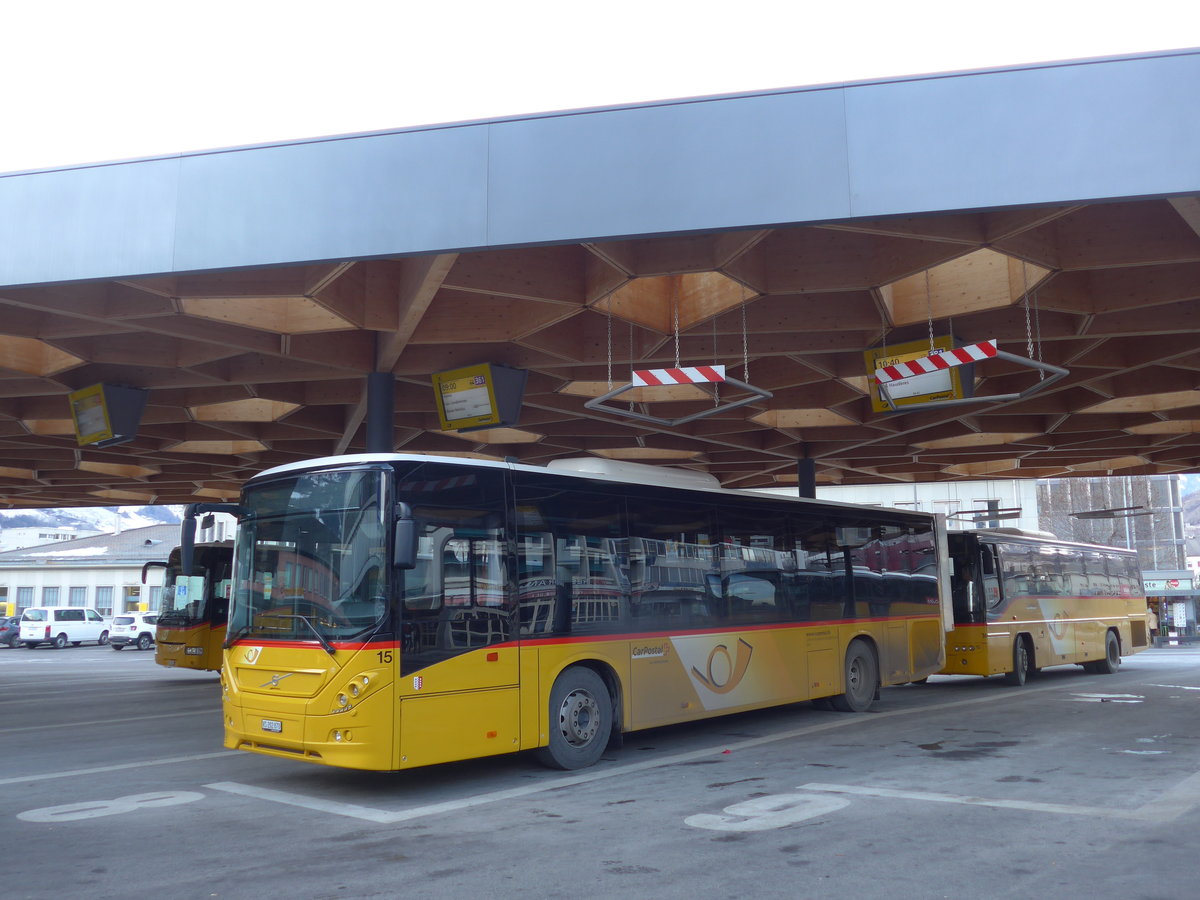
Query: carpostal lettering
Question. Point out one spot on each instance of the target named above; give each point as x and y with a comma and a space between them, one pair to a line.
648, 651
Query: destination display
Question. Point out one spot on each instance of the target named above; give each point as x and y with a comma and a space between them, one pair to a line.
944, 384
106, 414
486, 395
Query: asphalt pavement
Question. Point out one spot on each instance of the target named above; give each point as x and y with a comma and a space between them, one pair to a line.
114, 781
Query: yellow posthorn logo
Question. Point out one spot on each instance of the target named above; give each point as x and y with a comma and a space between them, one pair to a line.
733, 669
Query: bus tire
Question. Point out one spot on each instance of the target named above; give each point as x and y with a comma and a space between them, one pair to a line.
862, 679
1112, 657
580, 720
1021, 663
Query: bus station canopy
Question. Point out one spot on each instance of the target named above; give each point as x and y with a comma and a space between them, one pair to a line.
1053, 209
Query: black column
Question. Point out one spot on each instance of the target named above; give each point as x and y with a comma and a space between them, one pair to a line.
381, 405
806, 478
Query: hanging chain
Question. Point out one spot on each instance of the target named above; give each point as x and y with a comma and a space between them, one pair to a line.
1037, 326
1025, 297
1028, 325
675, 317
610, 353
716, 385
745, 343
631, 355
929, 312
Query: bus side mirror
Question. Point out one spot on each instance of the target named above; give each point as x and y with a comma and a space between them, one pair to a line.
404, 553
151, 565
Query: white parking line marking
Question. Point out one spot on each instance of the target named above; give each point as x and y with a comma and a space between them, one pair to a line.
1031, 806
109, 721
22, 779
1169, 806
1173, 802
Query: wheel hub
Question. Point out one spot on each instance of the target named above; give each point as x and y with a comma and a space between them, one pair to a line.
579, 718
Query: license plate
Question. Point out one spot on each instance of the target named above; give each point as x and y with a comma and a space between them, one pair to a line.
272, 725
170, 662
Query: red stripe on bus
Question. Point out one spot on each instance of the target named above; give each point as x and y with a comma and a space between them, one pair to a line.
592, 638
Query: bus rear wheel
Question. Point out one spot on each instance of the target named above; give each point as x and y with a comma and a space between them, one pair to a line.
1112, 657
862, 679
1021, 666
580, 720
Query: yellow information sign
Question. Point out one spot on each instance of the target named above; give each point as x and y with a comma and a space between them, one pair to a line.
466, 398
945, 384
106, 414
90, 413
481, 396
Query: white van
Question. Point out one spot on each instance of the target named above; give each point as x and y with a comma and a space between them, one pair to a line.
56, 625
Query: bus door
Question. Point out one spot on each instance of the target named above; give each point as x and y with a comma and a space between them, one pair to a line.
975, 587
458, 660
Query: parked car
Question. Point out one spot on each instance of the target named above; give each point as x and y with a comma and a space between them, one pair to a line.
133, 629
10, 631
60, 625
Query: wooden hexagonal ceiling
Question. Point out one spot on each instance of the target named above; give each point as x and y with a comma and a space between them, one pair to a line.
255, 368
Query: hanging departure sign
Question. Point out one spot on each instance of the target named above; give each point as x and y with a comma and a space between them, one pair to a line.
928, 387
106, 414
487, 395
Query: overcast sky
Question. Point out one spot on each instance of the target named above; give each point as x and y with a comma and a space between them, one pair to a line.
93, 81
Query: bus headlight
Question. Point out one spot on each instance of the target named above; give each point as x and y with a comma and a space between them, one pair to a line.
354, 689
343, 700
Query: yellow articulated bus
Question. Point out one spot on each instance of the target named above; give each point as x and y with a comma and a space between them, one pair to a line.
194, 609
393, 611
1024, 601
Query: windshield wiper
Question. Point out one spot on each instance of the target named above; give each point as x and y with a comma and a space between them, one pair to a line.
241, 632
311, 627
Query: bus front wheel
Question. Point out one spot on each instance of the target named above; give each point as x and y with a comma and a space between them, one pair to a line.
580, 720
862, 679
1020, 669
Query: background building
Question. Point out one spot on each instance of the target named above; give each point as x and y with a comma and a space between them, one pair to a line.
104, 571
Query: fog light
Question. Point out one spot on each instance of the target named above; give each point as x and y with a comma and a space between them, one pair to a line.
337, 736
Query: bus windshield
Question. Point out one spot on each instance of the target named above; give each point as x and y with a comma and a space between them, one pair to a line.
311, 558
183, 599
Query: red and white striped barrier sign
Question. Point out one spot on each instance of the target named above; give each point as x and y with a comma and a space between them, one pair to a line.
684, 375
937, 362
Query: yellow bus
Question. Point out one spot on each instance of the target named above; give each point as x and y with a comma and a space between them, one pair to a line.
194, 609
392, 611
1026, 600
